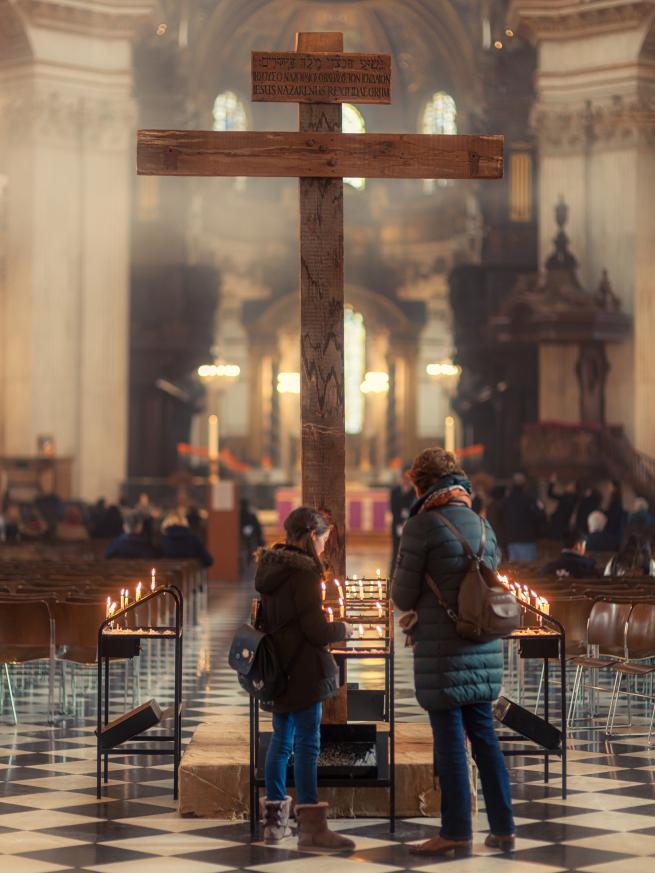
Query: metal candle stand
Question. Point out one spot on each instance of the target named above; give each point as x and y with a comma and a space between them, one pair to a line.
546, 641
125, 642
372, 752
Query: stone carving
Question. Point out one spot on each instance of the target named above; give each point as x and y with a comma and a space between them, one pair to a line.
615, 123
118, 18
553, 19
554, 307
67, 118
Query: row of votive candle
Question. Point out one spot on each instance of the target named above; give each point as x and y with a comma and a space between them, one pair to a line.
526, 595
112, 606
360, 627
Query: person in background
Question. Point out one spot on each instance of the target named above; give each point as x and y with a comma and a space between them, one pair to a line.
179, 541
147, 513
598, 540
108, 522
132, 543
523, 520
634, 559
612, 506
252, 535
456, 680
641, 513
590, 501
562, 518
401, 498
11, 522
288, 578
572, 560
72, 528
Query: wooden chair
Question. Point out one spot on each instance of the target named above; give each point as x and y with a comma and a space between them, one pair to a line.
640, 645
26, 635
606, 643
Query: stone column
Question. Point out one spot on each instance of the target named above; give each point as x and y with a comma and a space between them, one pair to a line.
67, 150
594, 120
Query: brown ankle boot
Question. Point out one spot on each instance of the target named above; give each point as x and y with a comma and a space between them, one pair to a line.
314, 834
276, 819
505, 842
441, 846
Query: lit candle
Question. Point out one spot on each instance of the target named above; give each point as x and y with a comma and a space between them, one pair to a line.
153, 579
379, 608
379, 588
339, 589
137, 595
361, 630
378, 572
361, 590
212, 438
108, 612
322, 591
545, 606
449, 433
378, 628
342, 608
330, 614
534, 596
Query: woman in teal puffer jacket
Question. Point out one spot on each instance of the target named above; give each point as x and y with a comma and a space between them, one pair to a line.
456, 680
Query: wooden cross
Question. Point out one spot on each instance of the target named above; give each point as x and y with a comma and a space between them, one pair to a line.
320, 76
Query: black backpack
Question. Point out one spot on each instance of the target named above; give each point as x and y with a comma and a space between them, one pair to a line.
252, 655
486, 610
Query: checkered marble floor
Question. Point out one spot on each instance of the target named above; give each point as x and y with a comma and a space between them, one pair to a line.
50, 819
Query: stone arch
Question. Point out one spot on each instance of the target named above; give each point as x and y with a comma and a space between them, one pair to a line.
14, 42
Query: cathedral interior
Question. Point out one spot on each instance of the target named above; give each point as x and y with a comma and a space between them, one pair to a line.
152, 373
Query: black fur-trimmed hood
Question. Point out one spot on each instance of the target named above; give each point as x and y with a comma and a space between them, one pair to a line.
274, 566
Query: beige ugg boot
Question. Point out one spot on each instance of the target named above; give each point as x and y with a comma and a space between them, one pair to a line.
276, 819
314, 834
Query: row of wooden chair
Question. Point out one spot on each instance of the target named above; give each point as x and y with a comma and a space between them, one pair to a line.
621, 641
50, 611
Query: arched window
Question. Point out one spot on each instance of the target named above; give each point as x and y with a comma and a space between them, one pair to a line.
439, 116
355, 365
229, 112
352, 121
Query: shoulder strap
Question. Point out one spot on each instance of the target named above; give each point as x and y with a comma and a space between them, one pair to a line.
432, 585
455, 530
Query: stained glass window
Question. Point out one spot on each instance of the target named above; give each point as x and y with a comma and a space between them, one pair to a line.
355, 365
229, 112
439, 116
352, 121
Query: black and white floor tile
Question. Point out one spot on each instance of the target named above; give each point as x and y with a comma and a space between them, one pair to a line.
50, 819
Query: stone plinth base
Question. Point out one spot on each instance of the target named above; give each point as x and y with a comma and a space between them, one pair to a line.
214, 776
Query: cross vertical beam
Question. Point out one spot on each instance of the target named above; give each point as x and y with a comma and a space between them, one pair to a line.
322, 393
323, 441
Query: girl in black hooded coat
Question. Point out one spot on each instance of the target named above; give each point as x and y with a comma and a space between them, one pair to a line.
289, 579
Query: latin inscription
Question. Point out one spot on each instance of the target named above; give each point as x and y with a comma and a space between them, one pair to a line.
321, 77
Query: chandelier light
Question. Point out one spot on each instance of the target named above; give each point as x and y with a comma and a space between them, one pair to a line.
444, 370
288, 383
375, 382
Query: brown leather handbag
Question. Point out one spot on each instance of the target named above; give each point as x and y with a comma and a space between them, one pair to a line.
486, 610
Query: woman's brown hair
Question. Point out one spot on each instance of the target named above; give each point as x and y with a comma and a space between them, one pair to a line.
299, 526
432, 465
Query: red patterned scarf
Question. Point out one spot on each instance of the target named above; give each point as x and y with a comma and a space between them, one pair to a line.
452, 494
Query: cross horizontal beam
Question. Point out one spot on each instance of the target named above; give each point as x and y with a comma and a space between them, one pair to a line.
319, 155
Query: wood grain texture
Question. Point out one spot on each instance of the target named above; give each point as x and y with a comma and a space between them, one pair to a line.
322, 394
320, 153
321, 77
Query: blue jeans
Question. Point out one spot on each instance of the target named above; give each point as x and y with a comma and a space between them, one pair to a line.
522, 551
300, 733
449, 728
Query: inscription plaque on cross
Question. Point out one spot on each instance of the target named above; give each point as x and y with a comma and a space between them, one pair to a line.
319, 76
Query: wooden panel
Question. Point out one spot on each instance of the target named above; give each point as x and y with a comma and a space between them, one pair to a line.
302, 77
322, 398
321, 154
